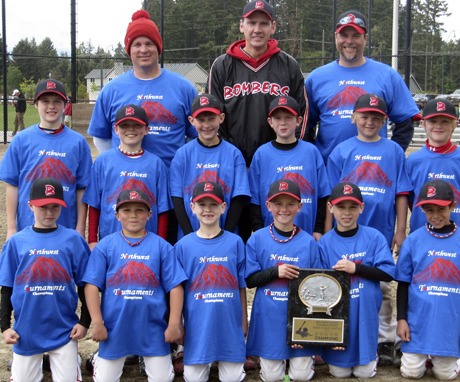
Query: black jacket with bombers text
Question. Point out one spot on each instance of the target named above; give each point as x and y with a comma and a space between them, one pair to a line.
246, 87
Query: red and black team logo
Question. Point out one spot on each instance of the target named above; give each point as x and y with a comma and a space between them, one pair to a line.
347, 189
50, 85
208, 187
430, 192
282, 101
129, 111
134, 195
373, 101
204, 101
284, 186
259, 4
351, 18
440, 106
49, 190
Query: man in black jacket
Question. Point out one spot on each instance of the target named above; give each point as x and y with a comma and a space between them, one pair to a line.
21, 106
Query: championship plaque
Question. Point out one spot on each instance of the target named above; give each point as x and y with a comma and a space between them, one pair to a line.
318, 307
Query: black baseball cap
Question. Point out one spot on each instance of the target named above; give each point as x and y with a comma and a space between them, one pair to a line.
50, 86
284, 102
258, 5
346, 191
283, 187
47, 191
205, 102
439, 106
370, 103
436, 192
131, 112
133, 196
208, 190
352, 19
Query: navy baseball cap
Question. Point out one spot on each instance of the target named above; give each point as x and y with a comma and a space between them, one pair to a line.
283, 187
47, 191
260, 6
131, 112
208, 190
205, 102
346, 191
284, 102
133, 196
370, 103
436, 192
50, 86
352, 19
439, 106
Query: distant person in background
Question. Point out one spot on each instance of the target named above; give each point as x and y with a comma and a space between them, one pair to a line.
21, 106
68, 112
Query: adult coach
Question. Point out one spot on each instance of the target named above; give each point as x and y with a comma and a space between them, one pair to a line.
249, 76
20, 106
165, 96
333, 89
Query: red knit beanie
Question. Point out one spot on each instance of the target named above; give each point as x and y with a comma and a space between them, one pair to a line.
141, 25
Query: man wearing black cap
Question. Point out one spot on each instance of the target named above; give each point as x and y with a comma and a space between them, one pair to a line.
249, 76
333, 89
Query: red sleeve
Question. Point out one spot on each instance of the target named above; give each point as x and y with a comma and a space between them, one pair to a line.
163, 225
93, 224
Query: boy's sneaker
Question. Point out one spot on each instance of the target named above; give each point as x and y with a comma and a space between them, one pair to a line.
385, 351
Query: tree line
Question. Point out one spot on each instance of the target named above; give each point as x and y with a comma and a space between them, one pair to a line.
199, 31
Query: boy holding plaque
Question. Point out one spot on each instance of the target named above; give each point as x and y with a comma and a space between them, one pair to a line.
274, 255
364, 253
428, 298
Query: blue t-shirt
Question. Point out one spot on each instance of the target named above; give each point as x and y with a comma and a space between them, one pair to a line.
134, 281
212, 308
194, 163
367, 247
113, 172
333, 89
378, 169
166, 99
425, 165
43, 269
267, 329
432, 267
35, 154
303, 165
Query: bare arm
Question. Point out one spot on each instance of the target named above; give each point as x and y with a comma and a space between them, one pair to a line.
401, 221
82, 210
11, 201
93, 303
175, 330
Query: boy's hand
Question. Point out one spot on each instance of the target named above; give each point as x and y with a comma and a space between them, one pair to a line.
78, 332
403, 331
288, 271
345, 266
397, 241
175, 333
10, 336
99, 332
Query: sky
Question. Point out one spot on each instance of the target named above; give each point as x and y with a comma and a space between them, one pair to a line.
103, 22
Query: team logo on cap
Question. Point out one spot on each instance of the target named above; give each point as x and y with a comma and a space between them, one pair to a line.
431, 191
50, 85
351, 18
134, 195
204, 101
373, 101
49, 190
284, 186
208, 187
282, 101
259, 4
129, 111
440, 106
347, 189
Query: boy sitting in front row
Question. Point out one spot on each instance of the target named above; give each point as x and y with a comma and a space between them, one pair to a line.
428, 301
215, 309
364, 253
274, 255
134, 270
39, 268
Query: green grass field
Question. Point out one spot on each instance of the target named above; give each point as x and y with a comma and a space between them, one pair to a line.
31, 117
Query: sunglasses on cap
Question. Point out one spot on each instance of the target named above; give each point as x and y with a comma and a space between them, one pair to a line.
352, 20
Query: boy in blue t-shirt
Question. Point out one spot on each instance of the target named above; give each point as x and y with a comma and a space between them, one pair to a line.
215, 308
208, 158
287, 157
40, 269
364, 253
428, 298
274, 255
